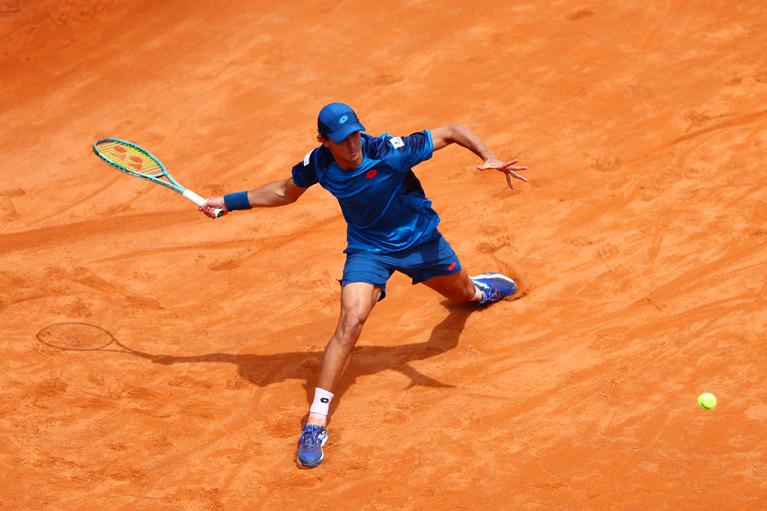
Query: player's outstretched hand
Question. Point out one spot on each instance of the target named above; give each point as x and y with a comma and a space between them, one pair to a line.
212, 204
507, 167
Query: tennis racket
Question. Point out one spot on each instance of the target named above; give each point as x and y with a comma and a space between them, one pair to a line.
136, 161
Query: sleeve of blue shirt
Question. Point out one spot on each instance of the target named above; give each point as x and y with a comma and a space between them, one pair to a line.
411, 150
304, 172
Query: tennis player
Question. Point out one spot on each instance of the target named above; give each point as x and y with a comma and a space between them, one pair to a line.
390, 226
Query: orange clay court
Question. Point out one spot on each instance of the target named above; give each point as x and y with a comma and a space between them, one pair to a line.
193, 345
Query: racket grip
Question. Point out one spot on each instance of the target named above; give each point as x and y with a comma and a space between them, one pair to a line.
189, 194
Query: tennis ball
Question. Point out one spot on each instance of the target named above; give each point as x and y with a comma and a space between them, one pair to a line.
707, 401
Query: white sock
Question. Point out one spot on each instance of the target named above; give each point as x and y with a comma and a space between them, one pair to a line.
321, 403
478, 294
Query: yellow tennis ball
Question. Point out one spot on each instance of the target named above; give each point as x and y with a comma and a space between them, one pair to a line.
707, 401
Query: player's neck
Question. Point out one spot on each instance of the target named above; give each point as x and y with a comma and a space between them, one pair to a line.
349, 165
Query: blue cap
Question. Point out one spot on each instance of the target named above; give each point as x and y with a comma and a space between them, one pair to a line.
337, 121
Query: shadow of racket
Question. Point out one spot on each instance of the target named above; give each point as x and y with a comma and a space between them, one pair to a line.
80, 336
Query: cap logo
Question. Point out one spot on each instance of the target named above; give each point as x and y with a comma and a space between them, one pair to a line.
343, 119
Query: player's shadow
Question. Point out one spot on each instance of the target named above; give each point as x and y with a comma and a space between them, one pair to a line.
264, 370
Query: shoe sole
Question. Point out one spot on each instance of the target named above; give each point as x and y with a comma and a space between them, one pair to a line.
322, 455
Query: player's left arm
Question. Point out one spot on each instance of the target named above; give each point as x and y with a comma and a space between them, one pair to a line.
463, 136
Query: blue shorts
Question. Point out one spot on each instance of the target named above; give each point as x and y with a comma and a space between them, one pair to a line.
422, 262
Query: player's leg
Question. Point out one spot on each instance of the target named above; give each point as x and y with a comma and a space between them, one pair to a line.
442, 271
363, 284
457, 287
357, 301
483, 289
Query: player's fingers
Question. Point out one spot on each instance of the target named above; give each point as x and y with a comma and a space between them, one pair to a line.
499, 166
510, 168
495, 165
514, 174
508, 181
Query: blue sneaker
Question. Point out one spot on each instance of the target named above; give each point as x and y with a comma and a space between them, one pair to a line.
313, 439
494, 286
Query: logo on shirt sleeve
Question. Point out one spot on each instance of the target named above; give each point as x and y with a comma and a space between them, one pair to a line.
396, 142
307, 158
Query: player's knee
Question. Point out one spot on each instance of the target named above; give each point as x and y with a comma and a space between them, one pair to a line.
352, 325
350, 328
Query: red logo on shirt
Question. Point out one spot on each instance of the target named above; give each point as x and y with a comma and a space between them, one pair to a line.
452, 266
371, 173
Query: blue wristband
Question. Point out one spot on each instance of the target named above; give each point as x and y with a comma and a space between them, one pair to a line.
236, 200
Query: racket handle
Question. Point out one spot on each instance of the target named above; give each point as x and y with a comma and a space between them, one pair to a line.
189, 194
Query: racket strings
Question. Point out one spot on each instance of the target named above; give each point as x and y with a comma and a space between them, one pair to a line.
131, 159
136, 161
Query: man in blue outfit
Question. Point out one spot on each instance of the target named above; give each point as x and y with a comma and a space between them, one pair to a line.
390, 226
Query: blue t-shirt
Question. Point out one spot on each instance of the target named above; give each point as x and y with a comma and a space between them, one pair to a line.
382, 200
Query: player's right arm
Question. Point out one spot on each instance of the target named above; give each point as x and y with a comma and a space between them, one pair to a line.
463, 136
276, 193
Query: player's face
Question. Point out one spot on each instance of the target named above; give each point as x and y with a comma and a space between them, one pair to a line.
348, 152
